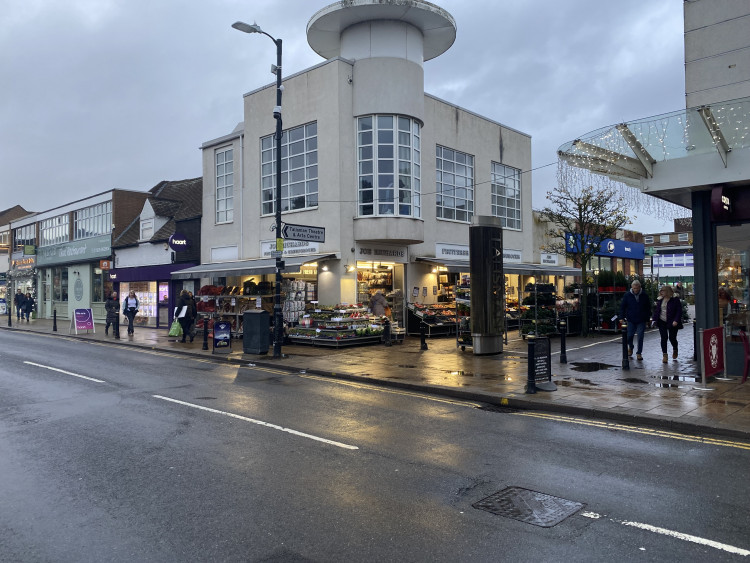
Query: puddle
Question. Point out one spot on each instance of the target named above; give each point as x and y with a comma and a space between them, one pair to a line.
567, 383
588, 367
633, 380
487, 376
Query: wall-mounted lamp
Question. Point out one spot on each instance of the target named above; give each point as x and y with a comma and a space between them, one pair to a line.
348, 268
76, 273
324, 268
434, 270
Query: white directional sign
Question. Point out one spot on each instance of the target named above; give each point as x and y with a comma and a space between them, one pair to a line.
303, 232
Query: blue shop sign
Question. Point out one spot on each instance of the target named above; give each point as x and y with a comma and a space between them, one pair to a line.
612, 248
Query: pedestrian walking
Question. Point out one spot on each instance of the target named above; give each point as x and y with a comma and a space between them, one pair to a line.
194, 309
18, 300
28, 306
636, 310
378, 303
183, 312
130, 310
668, 317
112, 306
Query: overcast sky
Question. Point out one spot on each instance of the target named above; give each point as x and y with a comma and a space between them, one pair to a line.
100, 94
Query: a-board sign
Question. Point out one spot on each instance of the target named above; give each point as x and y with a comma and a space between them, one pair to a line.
540, 365
713, 351
83, 319
222, 337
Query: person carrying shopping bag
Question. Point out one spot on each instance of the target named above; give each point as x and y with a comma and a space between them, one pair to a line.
183, 312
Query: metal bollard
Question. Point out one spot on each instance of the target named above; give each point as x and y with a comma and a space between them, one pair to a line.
54, 320
422, 335
387, 332
531, 376
10, 316
205, 332
563, 353
625, 359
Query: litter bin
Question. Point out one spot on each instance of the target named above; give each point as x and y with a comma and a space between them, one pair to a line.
256, 334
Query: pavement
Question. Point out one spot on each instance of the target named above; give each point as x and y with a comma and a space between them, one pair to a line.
591, 384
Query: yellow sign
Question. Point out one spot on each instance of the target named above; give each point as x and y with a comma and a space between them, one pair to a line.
279, 244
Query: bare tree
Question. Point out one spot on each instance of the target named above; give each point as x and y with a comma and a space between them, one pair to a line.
579, 219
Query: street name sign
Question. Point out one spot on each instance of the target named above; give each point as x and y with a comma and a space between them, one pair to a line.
303, 232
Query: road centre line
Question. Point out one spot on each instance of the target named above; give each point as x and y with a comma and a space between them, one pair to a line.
677, 535
66, 372
259, 422
638, 430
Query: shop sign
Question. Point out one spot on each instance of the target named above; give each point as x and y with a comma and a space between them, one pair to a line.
549, 259
77, 251
291, 248
721, 204
382, 253
452, 251
105, 264
511, 256
179, 242
78, 289
608, 247
22, 263
3, 306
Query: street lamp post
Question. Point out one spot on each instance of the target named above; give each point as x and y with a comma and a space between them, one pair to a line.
278, 318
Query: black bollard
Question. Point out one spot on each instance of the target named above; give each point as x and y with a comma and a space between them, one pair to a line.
205, 333
10, 316
531, 376
54, 320
625, 359
422, 335
387, 332
563, 353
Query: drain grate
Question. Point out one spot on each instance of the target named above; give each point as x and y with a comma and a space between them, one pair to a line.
529, 506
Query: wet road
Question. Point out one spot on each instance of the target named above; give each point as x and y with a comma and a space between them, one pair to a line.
118, 454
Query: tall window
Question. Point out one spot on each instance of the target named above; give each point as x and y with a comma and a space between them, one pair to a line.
60, 284
454, 187
93, 221
147, 229
389, 166
506, 195
224, 185
100, 284
299, 169
54, 230
24, 236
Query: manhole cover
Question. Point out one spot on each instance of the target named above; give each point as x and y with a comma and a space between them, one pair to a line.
529, 506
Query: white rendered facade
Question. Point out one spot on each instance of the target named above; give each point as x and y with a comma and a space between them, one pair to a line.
375, 71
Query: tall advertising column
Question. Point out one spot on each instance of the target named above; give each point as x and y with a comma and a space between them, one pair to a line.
487, 285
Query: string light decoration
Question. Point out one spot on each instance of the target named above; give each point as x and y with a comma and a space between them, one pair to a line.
618, 157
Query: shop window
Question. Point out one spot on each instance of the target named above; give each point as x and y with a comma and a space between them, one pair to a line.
299, 169
389, 166
101, 287
506, 195
224, 185
60, 284
454, 184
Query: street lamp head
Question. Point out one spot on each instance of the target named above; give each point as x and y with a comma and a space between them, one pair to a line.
247, 28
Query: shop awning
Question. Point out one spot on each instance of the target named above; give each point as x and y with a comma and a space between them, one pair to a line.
255, 267
456, 266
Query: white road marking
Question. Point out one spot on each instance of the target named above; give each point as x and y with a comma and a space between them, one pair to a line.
687, 537
588, 345
65, 372
259, 422
672, 534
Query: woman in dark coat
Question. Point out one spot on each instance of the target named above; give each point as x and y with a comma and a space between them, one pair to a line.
112, 306
668, 317
27, 307
183, 312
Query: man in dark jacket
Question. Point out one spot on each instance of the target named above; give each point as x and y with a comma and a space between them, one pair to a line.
18, 300
112, 306
183, 312
636, 309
